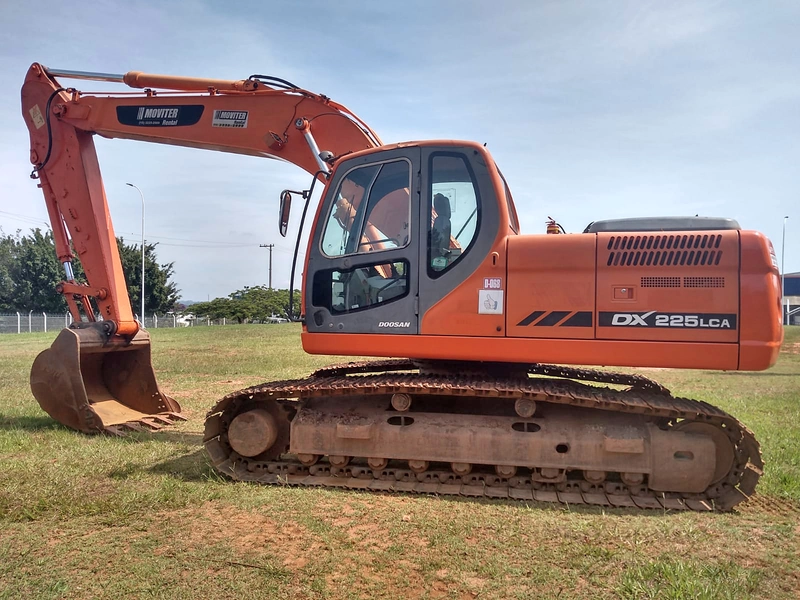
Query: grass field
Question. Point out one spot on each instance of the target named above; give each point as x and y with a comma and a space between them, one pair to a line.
146, 516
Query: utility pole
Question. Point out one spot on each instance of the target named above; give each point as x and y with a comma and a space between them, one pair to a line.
785, 315
270, 246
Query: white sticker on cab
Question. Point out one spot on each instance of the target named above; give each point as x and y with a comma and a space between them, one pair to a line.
490, 302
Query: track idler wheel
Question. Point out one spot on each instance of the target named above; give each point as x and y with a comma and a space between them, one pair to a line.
260, 432
253, 432
724, 447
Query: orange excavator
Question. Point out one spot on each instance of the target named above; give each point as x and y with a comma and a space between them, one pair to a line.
415, 251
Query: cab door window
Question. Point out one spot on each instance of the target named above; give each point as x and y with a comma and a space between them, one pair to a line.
454, 209
350, 290
372, 211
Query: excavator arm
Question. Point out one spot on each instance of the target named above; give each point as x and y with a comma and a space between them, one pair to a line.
84, 379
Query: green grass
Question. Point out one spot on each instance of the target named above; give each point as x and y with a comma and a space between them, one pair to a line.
146, 516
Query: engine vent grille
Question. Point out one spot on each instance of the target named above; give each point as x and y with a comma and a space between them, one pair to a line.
689, 282
661, 282
664, 250
659, 258
663, 242
707, 282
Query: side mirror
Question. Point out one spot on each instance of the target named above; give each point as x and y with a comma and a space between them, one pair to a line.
286, 207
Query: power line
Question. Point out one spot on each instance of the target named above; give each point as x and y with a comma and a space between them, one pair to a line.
39, 221
201, 243
190, 242
25, 218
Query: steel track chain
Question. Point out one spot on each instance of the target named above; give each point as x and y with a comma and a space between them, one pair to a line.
594, 375
341, 380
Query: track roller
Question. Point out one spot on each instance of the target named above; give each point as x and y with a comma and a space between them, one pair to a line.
506, 471
339, 461
308, 459
418, 466
461, 469
377, 463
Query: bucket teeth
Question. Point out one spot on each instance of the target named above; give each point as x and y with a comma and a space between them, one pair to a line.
174, 416
147, 423
115, 430
162, 419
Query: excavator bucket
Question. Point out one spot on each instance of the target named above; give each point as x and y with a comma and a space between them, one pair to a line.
88, 384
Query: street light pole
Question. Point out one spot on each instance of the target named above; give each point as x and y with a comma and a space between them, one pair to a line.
142, 195
785, 315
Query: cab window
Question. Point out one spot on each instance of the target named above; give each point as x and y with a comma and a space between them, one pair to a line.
454, 208
372, 210
365, 286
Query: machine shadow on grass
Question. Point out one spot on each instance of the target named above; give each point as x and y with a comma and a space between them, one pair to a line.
192, 467
28, 423
166, 435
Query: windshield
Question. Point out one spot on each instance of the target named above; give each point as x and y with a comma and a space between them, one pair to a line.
379, 223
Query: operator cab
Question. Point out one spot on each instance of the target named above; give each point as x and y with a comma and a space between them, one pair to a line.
396, 231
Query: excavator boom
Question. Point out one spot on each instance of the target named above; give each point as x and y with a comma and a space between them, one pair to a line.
98, 374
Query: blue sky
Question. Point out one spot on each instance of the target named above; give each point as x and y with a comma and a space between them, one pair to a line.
592, 110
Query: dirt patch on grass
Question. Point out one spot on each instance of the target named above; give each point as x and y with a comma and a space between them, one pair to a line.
366, 535
793, 348
351, 551
759, 505
247, 533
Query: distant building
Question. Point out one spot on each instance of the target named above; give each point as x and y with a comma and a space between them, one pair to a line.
791, 295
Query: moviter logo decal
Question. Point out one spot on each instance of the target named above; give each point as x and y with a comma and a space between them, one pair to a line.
230, 118
671, 320
160, 116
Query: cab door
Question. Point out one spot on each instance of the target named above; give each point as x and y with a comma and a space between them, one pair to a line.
362, 271
461, 287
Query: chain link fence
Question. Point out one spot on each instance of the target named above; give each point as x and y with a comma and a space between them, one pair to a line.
32, 321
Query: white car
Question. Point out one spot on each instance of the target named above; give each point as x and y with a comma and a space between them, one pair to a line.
185, 320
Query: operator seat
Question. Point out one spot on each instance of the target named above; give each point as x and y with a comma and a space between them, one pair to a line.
440, 232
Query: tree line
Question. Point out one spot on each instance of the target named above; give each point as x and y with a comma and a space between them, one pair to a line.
30, 271
257, 303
